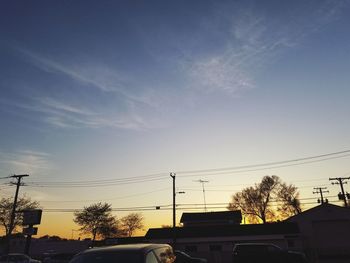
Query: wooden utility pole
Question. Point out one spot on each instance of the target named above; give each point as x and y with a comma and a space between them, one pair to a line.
13, 213
173, 176
321, 191
340, 181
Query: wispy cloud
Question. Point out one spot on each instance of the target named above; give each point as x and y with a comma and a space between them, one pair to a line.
95, 75
126, 112
249, 40
216, 73
63, 115
252, 41
50, 65
26, 161
60, 106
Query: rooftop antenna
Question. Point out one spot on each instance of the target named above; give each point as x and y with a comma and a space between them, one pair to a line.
203, 182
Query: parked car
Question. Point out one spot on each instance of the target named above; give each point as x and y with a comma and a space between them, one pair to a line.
182, 257
296, 257
58, 258
17, 258
265, 252
133, 253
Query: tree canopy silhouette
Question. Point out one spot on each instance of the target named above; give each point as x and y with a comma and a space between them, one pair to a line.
131, 223
97, 220
269, 200
6, 205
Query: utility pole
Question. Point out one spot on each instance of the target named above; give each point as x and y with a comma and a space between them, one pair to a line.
203, 182
173, 176
340, 180
13, 213
321, 190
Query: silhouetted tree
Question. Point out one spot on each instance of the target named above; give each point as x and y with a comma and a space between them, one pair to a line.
288, 195
6, 205
255, 201
106, 231
97, 220
131, 223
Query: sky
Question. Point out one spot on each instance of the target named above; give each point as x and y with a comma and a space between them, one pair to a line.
101, 100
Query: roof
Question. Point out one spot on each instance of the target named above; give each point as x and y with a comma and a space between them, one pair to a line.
327, 209
125, 240
127, 248
211, 216
224, 230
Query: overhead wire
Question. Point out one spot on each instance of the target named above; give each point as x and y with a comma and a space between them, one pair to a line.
261, 169
163, 176
189, 173
104, 199
268, 164
182, 207
102, 181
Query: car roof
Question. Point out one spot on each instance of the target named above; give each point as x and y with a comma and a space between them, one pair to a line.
144, 248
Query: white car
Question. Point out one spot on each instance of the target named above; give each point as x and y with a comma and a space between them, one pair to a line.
133, 253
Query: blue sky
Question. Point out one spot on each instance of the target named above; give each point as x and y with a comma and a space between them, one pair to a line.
99, 90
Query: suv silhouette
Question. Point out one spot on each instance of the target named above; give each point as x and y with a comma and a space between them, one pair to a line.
265, 252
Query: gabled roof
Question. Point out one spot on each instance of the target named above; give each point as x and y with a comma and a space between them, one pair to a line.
211, 216
282, 228
322, 211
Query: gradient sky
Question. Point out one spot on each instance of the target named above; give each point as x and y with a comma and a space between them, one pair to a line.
96, 90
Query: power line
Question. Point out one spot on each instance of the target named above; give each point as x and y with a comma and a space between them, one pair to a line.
265, 168
58, 185
267, 164
104, 199
189, 173
5, 177
163, 207
124, 179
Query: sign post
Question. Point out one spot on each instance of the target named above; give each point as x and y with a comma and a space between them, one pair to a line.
30, 218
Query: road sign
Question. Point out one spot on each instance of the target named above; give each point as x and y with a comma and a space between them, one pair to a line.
30, 231
31, 217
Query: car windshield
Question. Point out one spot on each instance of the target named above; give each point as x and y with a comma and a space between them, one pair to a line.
115, 257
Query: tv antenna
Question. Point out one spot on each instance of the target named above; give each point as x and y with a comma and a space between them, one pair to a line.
203, 182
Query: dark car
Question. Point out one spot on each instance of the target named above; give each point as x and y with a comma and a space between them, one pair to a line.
265, 252
133, 253
58, 258
256, 252
17, 258
182, 257
296, 257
